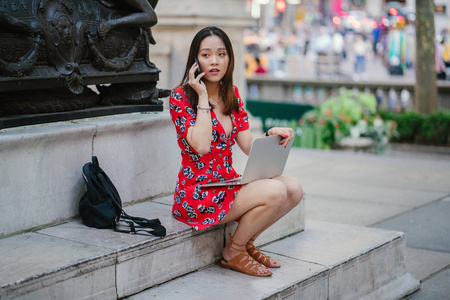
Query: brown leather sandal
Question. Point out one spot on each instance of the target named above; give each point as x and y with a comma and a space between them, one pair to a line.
243, 262
259, 256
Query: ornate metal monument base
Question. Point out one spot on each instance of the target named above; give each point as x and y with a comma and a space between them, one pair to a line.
51, 50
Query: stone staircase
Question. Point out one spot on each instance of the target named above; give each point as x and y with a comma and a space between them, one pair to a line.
58, 257
73, 261
316, 264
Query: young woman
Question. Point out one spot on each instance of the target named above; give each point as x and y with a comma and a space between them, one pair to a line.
209, 117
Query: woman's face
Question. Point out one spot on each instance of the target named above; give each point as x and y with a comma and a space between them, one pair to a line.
213, 58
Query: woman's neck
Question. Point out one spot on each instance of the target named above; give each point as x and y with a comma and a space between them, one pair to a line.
213, 93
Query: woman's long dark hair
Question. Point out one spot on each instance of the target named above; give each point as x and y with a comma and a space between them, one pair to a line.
226, 90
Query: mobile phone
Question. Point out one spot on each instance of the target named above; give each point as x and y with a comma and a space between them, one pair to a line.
198, 71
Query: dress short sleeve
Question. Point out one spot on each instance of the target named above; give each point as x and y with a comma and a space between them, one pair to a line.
183, 115
242, 116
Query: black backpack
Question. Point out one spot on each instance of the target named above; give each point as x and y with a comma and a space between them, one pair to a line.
101, 206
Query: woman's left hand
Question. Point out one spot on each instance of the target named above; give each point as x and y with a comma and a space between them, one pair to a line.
286, 133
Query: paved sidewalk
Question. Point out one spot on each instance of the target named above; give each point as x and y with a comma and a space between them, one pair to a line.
399, 191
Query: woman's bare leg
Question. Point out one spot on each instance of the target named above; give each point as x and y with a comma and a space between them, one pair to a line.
294, 196
256, 204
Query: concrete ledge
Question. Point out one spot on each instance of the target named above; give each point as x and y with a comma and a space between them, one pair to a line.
391, 289
40, 176
326, 261
38, 265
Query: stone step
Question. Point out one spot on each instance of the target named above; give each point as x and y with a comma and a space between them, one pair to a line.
325, 261
41, 182
73, 261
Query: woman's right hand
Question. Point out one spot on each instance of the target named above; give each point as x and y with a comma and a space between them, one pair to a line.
195, 82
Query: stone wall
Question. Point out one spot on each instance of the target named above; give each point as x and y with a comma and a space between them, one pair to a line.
40, 166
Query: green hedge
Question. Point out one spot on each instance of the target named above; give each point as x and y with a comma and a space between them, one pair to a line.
413, 127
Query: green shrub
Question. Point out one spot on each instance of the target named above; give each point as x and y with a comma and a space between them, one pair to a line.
409, 125
413, 127
387, 115
436, 128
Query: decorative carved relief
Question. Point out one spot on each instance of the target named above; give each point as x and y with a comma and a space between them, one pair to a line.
22, 65
63, 38
50, 44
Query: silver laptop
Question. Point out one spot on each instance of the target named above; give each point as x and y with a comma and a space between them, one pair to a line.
267, 159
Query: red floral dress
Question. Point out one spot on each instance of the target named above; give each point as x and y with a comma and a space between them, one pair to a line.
197, 206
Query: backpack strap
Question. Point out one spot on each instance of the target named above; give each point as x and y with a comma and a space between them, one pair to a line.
154, 224
159, 230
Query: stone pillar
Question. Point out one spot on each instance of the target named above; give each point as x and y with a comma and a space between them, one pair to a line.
179, 21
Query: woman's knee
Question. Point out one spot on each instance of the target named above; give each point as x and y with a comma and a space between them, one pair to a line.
294, 190
266, 192
276, 192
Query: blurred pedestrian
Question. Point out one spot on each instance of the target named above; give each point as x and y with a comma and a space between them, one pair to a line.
306, 41
440, 65
376, 35
322, 47
337, 50
446, 52
337, 43
259, 69
396, 51
359, 48
323, 42
276, 59
410, 49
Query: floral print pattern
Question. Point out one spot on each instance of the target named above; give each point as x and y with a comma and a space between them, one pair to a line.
195, 205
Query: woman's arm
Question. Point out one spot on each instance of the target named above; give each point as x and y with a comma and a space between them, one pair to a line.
245, 141
199, 135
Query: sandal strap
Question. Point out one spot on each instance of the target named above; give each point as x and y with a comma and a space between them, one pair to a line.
241, 247
259, 256
245, 263
231, 244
